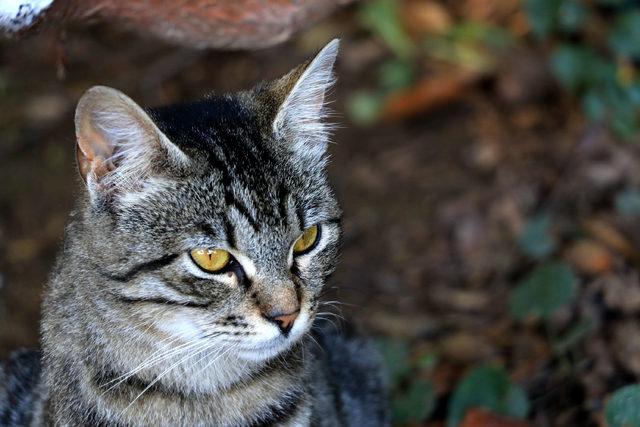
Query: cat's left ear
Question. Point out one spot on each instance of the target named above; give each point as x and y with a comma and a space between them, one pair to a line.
118, 145
300, 97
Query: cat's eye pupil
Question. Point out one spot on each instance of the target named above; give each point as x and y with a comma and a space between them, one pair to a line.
211, 260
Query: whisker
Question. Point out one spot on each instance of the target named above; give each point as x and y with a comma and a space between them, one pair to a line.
204, 346
156, 357
147, 363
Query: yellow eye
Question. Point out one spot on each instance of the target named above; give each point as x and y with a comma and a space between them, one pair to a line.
306, 241
211, 260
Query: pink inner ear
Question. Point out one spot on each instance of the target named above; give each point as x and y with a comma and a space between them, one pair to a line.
93, 151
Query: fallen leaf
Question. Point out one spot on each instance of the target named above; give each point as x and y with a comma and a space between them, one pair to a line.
481, 418
429, 93
607, 234
590, 257
422, 17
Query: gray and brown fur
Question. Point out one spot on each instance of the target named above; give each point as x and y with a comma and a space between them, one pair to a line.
134, 334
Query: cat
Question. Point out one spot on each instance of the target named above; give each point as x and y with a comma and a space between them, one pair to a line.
189, 282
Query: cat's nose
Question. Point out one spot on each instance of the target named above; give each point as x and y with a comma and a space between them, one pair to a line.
284, 321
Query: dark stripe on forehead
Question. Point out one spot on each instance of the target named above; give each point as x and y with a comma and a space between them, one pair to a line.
242, 210
138, 269
229, 231
229, 198
283, 199
300, 215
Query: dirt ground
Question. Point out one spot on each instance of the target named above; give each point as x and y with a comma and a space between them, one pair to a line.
434, 207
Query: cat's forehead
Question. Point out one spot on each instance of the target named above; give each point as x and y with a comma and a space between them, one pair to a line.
217, 121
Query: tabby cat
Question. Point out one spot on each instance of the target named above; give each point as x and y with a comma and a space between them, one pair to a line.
192, 271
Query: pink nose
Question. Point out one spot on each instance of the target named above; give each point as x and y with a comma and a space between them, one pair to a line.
284, 321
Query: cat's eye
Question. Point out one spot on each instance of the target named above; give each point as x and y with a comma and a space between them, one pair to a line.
211, 260
306, 241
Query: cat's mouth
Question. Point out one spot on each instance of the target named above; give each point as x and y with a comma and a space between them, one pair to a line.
266, 346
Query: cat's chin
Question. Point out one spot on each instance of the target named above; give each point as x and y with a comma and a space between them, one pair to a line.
265, 351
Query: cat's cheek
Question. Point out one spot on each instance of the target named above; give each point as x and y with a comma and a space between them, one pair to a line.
180, 326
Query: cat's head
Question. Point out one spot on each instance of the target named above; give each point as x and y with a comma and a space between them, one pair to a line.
212, 221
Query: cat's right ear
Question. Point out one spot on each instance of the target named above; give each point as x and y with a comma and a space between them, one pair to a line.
118, 145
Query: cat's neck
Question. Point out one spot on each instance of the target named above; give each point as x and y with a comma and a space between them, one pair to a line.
274, 392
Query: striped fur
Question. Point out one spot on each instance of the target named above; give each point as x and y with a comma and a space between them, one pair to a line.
134, 333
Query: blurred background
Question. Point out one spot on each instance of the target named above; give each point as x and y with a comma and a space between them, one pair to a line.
488, 164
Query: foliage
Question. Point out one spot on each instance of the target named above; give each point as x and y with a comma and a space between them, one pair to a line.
487, 387
413, 396
415, 404
536, 240
383, 18
544, 290
364, 107
467, 45
628, 202
623, 409
594, 57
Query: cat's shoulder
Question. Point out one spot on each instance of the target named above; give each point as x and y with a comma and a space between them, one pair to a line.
353, 367
19, 380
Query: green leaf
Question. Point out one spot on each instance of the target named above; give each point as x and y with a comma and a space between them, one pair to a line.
396, 356
594, 106
633, 91
477, 32
487, 387
543, 16
516, 402
416, 404
536, 239
547, 288
364, 107
623, 409
568, 64
625, 123
383, 18
628, 202
396, 74
625, 36
428, 361
572, 15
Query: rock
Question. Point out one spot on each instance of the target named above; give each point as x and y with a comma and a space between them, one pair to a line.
466, 347
621, 292
626, 345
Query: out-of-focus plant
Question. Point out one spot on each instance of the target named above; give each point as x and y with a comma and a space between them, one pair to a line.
627, 202
547, 288
487, 387
596, 53
550, 285
413, 395
468, 46
536, 240
623, 409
